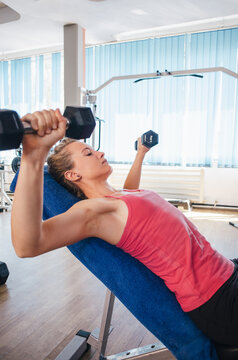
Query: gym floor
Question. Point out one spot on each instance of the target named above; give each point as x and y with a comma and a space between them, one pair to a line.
46, 300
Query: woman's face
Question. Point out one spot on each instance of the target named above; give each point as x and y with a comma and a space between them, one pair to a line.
88, 163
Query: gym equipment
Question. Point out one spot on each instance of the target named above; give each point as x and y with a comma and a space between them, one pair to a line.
16, 163
233, 224
142, 292
148, 139
81, 124
4, 273
166, 72
5, 201
89, 96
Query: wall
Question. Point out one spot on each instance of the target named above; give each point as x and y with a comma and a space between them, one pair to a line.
221, 185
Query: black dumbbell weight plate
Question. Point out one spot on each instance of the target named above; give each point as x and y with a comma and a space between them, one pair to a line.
16, 164
148, 139
11, 130
82, 122
4, 273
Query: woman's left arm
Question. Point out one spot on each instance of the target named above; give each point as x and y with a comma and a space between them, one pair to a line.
134, 176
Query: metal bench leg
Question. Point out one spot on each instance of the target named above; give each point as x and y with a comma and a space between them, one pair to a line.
100, 342
99, 337
75, 348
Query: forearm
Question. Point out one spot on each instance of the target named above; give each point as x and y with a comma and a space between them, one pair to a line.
26, 219
134, 176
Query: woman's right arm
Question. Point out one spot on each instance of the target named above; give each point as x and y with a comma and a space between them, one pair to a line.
30, 235
26, 218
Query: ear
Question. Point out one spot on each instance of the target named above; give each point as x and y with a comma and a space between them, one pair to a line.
72, 176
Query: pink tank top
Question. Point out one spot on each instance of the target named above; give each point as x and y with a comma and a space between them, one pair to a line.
165, 241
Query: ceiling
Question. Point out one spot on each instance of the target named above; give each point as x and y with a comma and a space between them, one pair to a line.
39, 24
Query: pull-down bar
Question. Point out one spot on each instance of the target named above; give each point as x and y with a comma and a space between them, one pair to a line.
165, 73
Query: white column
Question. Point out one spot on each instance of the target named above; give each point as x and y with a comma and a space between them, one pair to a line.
74, 64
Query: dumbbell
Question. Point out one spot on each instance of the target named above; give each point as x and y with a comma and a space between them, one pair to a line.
4, 273
16, 164
148, 139
81, 124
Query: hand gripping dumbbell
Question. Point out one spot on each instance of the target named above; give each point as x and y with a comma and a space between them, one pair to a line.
81, 124
148, 139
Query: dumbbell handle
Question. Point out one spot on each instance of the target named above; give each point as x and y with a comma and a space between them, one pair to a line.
27, 129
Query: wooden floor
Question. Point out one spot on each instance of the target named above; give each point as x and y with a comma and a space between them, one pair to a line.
46, 300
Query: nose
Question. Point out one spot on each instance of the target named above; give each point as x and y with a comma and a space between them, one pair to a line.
100, 154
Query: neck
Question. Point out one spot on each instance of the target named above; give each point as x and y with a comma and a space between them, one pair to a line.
97, 190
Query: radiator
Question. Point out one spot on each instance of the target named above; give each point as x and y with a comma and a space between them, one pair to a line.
179, 183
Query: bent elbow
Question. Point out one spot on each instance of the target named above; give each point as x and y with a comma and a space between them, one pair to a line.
24, 251
20, 254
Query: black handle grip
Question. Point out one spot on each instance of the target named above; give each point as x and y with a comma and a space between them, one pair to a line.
27, 129
136, 144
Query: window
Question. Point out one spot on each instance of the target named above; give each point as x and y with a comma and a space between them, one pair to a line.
197, 119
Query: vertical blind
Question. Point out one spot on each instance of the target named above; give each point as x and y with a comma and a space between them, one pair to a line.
31, 84
196, 118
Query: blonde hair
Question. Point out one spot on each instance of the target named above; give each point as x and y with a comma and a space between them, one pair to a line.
61, 161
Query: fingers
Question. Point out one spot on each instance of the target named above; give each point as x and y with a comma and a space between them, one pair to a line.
142, 148
47, 118
60, 117
44, 121
54, 119
62, 121
31, 119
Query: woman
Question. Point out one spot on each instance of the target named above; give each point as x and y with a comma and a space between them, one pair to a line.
138, 221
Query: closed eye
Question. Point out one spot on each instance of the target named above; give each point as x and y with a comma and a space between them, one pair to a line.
87, 151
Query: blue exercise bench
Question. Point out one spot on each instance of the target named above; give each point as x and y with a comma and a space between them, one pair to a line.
143, 293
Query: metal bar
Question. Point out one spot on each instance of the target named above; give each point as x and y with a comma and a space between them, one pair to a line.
8, 200
233, 224
3, 192
155, 351
74, 350
202, 71
105, 324
93, 134
99, 133
93, 339
165, 73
